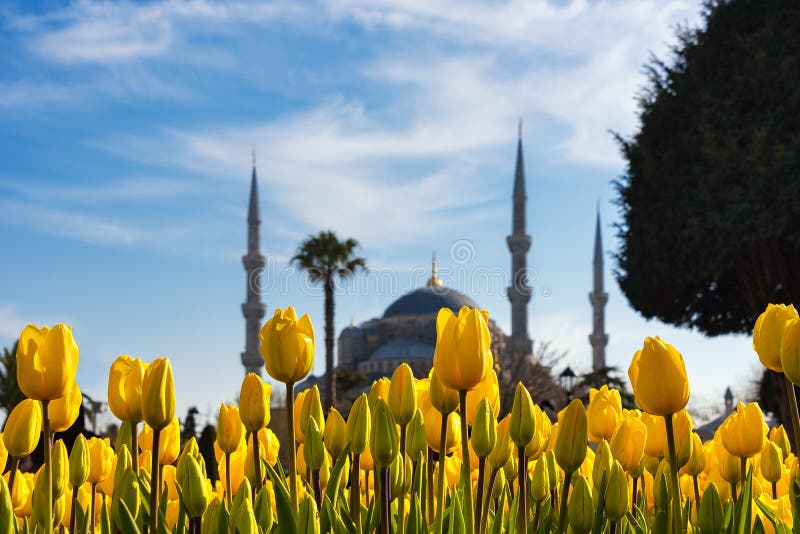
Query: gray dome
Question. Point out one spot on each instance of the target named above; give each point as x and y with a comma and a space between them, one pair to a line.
428, 301
403, 349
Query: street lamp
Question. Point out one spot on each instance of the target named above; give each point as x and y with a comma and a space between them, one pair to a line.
567, 380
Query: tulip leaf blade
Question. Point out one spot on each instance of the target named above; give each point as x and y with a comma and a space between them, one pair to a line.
497, 523
287, 523
770, 514
334, 479
127, 523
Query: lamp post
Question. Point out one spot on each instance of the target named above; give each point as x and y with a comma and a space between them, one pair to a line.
567, 380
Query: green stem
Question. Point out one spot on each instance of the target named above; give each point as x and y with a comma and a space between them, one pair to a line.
229, 489
484, 520
385, 501
155, 483
12, 474
673, 464
292, 445
696, 494
315, 483
93, 507
257, 463
429, 482
440, 478
48, 463
466, 479
355, 492
479, 495
633, 492
522, 491
135, 447
793, 413
743, 471
72, 522
562, 514
774, 490
401, 500
734, 495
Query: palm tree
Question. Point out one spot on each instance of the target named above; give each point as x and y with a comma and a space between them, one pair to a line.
326, 259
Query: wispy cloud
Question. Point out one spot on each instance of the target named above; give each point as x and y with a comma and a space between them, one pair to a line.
110, 190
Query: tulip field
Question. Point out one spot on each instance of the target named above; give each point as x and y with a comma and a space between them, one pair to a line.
415, 454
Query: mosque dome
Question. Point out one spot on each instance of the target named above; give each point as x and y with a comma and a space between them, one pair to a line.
428, 300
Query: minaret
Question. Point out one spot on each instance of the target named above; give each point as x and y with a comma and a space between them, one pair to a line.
253, 309
598, 338
519, 293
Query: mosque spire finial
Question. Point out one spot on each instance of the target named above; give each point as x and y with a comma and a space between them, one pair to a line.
519, 129
434, 280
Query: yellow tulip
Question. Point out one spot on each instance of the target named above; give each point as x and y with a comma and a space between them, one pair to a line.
682, 428
502, 446
311, 408
313, 448
125, 381
23, 428
60, 465
603, 413
777, 435
383, 440
540, 480
772, 463
254, 399
656, 442
489, 389
270, 446
47, 361
790, 350
101, 460
63, 411
627, 445
158, 394
287, 346
402, 394
658, 378
697, 460
3, 453
230, 430
729, 465
169, 441
484, 430
442, 397
433, 430
616, 504
768, 334
580, 507
572, 436
743, 432
238, 458
335, 435
79, 461
462, 356
522, 424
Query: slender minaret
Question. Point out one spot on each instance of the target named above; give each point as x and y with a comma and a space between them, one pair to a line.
253, 309
519, 293
598, 338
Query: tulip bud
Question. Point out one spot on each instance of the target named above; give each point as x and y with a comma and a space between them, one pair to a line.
246, 519
158, 394
553, 473
308, 518
59, 460
63, 411
656, 442
711, 518
216, 517
23, 428
403, 394
124, 436
570, 447
778, 436
661, 486
240, 497
416, 443
397, 476
230, 430
311, 409
444, 399
502, 445
603, 460
616, 504
358, 425
522, 424
768, 334
8, 524
463, 354
287, 346
658, 378
313, 449
254, 399
484, 430
335, 435
125, 381
126, 490
383, 442
627, 445
580, 507
47, 361
79, 461
682, 428
603, 413
101, 460
488, 389
771, 463
433, 430
263, 509
194, 487
743, 432
540, 487
697, 460
39, 502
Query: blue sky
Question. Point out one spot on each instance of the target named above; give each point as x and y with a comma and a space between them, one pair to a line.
126, 132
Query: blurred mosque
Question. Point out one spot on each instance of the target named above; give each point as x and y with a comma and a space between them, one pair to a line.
406, 332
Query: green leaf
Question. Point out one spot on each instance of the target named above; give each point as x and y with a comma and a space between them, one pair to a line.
780, 526
497, 523
126, 519
334, 479
743, 510
600, 506
456, 524
283, 504
105, 521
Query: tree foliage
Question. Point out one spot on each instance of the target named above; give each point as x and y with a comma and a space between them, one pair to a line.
710, 227
10, 394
